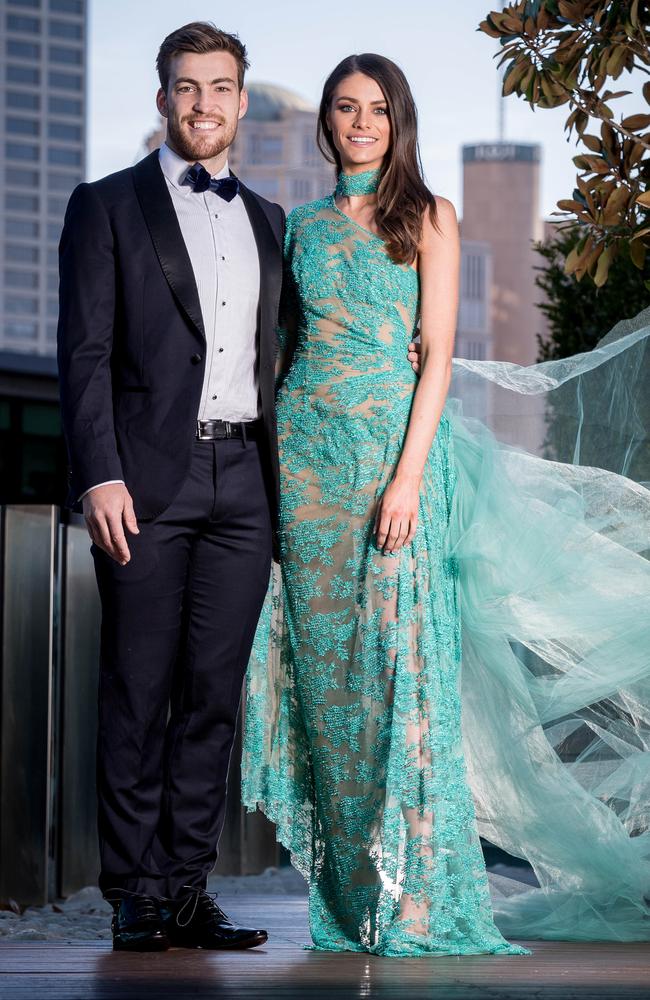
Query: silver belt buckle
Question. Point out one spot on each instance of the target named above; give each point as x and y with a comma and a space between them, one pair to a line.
199, 427
228, 428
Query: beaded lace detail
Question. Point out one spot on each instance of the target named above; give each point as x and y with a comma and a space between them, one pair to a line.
349, 185
352, 740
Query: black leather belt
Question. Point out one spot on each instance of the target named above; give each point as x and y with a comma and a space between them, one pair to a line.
216, 430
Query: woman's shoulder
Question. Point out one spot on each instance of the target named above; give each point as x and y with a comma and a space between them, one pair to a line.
441, 224
302, 213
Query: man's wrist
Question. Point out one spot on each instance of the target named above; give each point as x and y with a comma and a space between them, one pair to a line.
109, 482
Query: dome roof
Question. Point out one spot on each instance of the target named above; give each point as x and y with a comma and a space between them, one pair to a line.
267, 102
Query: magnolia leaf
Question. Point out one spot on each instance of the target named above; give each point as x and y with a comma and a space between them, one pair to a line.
637, 253
592, 142
635, 122
602, 270
646, 91
644, 199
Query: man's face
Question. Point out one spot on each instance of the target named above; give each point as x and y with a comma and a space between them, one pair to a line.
203, 104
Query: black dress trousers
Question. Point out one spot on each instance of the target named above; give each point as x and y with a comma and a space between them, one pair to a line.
178, 622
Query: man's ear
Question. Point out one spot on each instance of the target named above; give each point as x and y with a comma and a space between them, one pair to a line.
161, 103
243, 102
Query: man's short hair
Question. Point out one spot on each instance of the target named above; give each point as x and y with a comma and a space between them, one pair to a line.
201, 37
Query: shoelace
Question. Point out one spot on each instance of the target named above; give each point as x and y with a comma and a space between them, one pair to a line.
145, 906
208, 904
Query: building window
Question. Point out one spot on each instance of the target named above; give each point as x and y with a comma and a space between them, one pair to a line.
21, 202
66, 29
20, 177
53, 307
265, 149
52, 281
19, 151
26, 101
52, 258
300, 188
23, 50
16, 253
23, 74
22, 227
65, 81
23, 126
59, 130
63, 182
57, 206
58, 54
311, 154
54, 231
21, 330
50, 332
67, 157
473, 277
21, 279
21, 307
64, 106
18, 22
67, 6
26, 3
267, 187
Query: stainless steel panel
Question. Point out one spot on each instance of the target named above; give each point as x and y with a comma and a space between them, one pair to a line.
77, 811
26, 716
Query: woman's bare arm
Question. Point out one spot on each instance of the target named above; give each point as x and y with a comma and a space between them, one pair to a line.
439, 267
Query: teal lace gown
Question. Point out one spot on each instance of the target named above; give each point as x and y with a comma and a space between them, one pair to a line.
354, 745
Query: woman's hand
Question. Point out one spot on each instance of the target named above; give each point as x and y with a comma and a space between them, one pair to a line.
397, 514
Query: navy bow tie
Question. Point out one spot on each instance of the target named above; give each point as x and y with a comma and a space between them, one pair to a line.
199, 179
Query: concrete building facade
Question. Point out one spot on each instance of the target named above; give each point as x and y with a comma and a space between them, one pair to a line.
501, 192
42, 158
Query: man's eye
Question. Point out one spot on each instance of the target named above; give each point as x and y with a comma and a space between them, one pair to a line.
184, 90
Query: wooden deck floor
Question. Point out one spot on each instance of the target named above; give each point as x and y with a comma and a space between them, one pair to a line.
284, 970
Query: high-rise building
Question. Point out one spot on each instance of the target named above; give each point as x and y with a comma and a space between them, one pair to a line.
501, 208
42, 158
275, 152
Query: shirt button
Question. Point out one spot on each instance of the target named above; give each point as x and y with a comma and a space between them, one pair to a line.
216, 215
221, 350
214, 397
196, 359
223, 303
223, 258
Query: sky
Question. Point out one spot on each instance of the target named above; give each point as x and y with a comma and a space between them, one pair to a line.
296, 43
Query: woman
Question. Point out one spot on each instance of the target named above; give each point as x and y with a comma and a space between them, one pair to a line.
353, 742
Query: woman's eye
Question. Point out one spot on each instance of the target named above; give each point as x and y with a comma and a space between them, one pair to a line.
346, 107
382, 111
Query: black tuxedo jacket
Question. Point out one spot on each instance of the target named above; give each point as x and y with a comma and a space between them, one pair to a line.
131, 343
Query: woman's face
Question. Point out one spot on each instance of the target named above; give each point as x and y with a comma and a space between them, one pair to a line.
359, 123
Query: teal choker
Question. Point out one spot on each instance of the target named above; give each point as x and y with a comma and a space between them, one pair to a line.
349, 185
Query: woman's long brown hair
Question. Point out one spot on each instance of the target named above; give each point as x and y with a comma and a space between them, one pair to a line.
403, 197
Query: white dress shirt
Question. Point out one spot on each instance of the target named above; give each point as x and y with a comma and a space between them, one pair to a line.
221, 245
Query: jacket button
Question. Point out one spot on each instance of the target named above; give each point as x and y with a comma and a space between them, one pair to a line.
196, 359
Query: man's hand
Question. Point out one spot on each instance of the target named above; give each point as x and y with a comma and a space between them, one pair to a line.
108, 510
414, 356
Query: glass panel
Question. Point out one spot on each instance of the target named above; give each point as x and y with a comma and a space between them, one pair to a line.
42, 419
66, 29
21, 227
5, 415
17, 22
16, 253
64, 106
67, 6
21, 279
59, 54
23, 74
21, 307
24, 50
64, 156
57, 206
53, 307
21, 177
27, 101
23, 126
63, 182
21, 202
19, 151
21, 329
61, 130
65, 81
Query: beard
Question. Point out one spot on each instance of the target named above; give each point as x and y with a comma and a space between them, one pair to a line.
200, 146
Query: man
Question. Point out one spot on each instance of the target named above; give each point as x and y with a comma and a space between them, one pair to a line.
170, 282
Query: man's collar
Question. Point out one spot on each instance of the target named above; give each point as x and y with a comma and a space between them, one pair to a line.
174, 167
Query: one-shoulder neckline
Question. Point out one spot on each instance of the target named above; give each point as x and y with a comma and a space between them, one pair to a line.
357, 225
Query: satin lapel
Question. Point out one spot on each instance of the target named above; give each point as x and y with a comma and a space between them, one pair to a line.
162, 223
270, 255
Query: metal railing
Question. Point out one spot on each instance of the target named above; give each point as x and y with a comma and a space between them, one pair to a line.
49, 656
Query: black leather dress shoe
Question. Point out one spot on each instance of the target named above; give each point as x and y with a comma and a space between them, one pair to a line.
195, 921
137, 925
